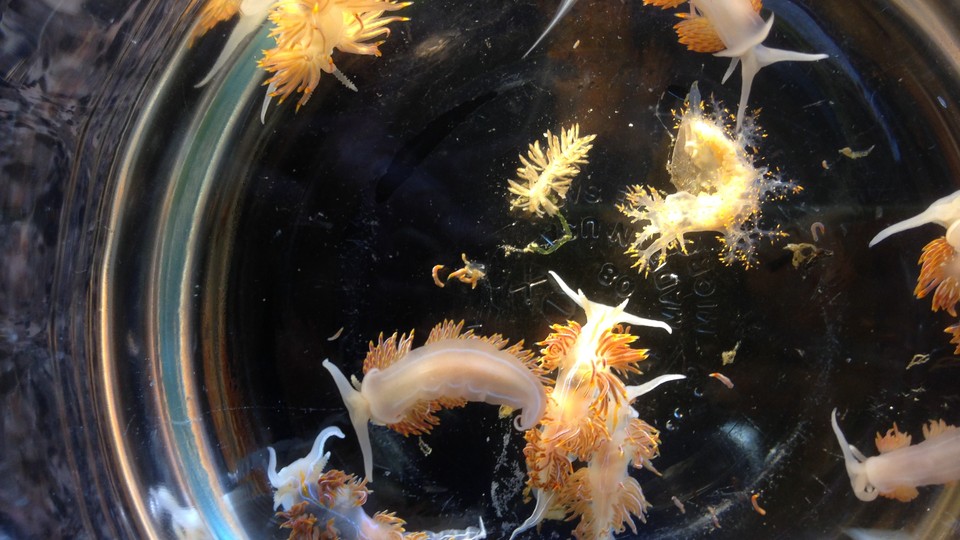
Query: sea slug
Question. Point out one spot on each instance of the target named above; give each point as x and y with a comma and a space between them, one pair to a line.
719, 189
402, 388
901, 467
944, 212
940, 259
579, 457
735, 30
545, 176
289, 482
308, 31
330, 503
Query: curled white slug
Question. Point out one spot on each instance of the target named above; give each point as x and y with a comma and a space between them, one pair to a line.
901, 467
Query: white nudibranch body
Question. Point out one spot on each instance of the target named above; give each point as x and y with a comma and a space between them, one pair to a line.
743, 32
293, 480
936, 460
402, 387
944, 212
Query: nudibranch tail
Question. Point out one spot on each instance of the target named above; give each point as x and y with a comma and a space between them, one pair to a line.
544, 502
359, 410
853, 460
944, 212
633, 392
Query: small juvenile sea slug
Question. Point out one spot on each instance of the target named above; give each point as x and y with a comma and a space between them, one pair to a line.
719, 189
545, 176
543, 180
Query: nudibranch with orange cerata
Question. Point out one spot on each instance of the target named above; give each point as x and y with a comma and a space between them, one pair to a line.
719, 189
308, 31
735, 30
901, 467
545, 174
940, 259
579, 456
403, 387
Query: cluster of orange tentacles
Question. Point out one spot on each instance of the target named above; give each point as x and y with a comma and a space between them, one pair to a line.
940, 274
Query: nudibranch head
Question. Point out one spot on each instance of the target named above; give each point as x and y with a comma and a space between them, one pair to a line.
293, 480
853, 460
732, 29
579, 456
611, 314
944, 212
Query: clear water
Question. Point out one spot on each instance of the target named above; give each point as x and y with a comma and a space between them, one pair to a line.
174, 269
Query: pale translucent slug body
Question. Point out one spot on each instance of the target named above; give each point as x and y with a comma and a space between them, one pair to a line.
590, 420
936, 460
463, 368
